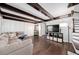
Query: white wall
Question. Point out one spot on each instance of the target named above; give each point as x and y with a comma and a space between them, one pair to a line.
41, 28
29, 28
17, 26
64, 30
0, 23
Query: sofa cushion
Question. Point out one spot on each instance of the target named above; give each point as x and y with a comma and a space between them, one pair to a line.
12, 40
3, 40
11, 35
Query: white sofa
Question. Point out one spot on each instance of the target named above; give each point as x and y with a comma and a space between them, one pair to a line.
17, 48
14, 46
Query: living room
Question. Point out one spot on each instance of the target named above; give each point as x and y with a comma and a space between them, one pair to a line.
38, 29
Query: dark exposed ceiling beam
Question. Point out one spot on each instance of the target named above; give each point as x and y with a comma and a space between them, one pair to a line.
17, 18
3, 5
72, 4
10, 18
41, 9
62, 16
9, 14
59, 17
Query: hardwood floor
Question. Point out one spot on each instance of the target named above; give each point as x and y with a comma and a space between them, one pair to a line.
43, 46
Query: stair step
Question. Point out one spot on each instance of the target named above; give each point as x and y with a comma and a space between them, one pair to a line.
75, 38
75, 33
76, 20
76, 28
76, 24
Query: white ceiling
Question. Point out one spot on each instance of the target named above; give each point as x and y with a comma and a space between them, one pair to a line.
25, 7
15, 13
56, 9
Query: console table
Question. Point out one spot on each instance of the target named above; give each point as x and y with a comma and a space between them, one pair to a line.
56, 35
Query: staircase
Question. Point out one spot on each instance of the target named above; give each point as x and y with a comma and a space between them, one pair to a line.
76, 25
75, 34
75, 42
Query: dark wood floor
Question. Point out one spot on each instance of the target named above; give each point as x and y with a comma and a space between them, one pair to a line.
43, 46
